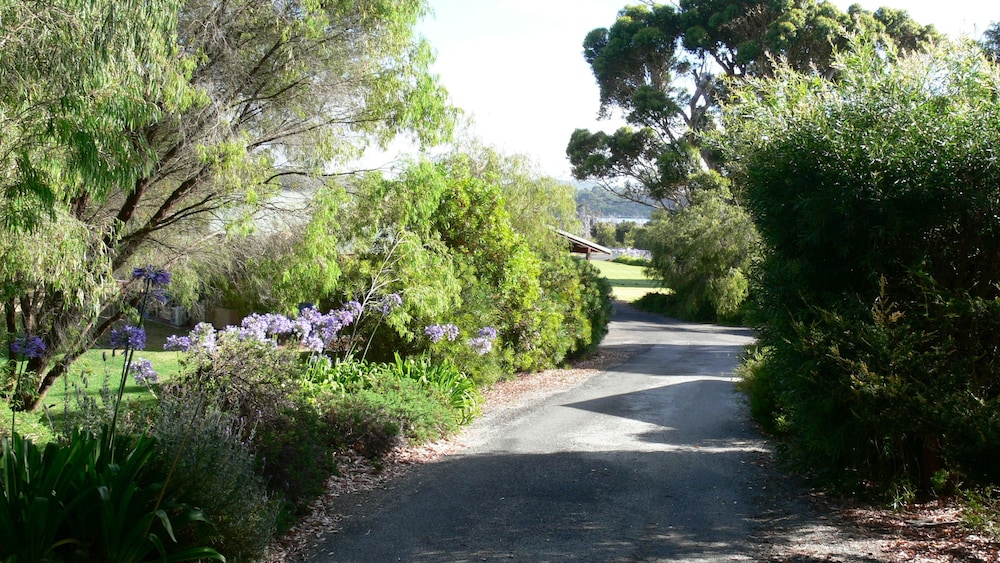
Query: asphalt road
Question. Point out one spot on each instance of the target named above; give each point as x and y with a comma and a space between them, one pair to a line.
651, 461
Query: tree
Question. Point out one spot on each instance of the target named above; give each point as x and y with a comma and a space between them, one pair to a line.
76, 74
990, 41
704, 252
664, 69
271, 90
875, 194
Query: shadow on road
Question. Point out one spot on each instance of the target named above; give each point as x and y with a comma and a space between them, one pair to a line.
557, 507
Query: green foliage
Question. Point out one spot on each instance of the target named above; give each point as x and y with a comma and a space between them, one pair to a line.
604, 234
596, 305
446, 380
632, 261
413, 398
703, 252
170, 132
875, 195
990, 42
75, 77
650, 66
212, 466
469, 218
257, 383
87, 501
980, 510
624, 234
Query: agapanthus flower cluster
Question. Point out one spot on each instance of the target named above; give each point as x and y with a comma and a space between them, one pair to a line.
130, 337
483, 343
155, 276
312, 330
143, 372
388, 303
439, 332
266, 328
177, 343
354, 307
202, 336
27, 347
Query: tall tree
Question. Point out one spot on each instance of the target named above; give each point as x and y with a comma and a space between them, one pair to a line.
76, 74
272, 89
664, 68
990, 42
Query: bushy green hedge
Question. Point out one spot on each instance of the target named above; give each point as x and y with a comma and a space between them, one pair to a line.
877, 196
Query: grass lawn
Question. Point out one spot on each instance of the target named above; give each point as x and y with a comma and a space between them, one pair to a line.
99, 367
628, 283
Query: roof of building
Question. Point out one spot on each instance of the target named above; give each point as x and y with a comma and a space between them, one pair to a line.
580, 244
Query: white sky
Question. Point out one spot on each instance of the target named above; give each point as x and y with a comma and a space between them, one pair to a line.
516, 65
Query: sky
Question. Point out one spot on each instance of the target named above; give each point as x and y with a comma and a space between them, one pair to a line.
516, 68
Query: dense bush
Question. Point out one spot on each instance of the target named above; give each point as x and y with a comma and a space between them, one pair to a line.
496, 264
374, 404
212, 466
703, 252
876, 195
632, 260
587, 304
257, 382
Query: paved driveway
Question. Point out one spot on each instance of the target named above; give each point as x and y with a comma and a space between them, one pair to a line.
651, 461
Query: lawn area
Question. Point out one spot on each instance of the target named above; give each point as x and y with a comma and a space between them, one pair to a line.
628, 282
101, 366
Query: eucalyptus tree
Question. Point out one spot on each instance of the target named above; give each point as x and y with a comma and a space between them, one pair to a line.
664, 68
228, 100
990, 41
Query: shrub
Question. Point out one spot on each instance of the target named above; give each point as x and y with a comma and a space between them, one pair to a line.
495, 264
258, 383
703, 252
588, 308
212, 466
879, 294
411, 399
632, 260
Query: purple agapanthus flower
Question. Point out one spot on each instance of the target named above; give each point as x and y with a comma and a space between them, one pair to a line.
488, 332
354, 307
439, 332
278, 325
155, 276
481, 345
27, 347
131, 337
389, 302
254, 326
313, 343
178, 343
202, 336
327, 327
143, 372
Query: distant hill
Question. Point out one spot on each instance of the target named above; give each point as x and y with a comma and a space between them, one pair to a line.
594, 201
